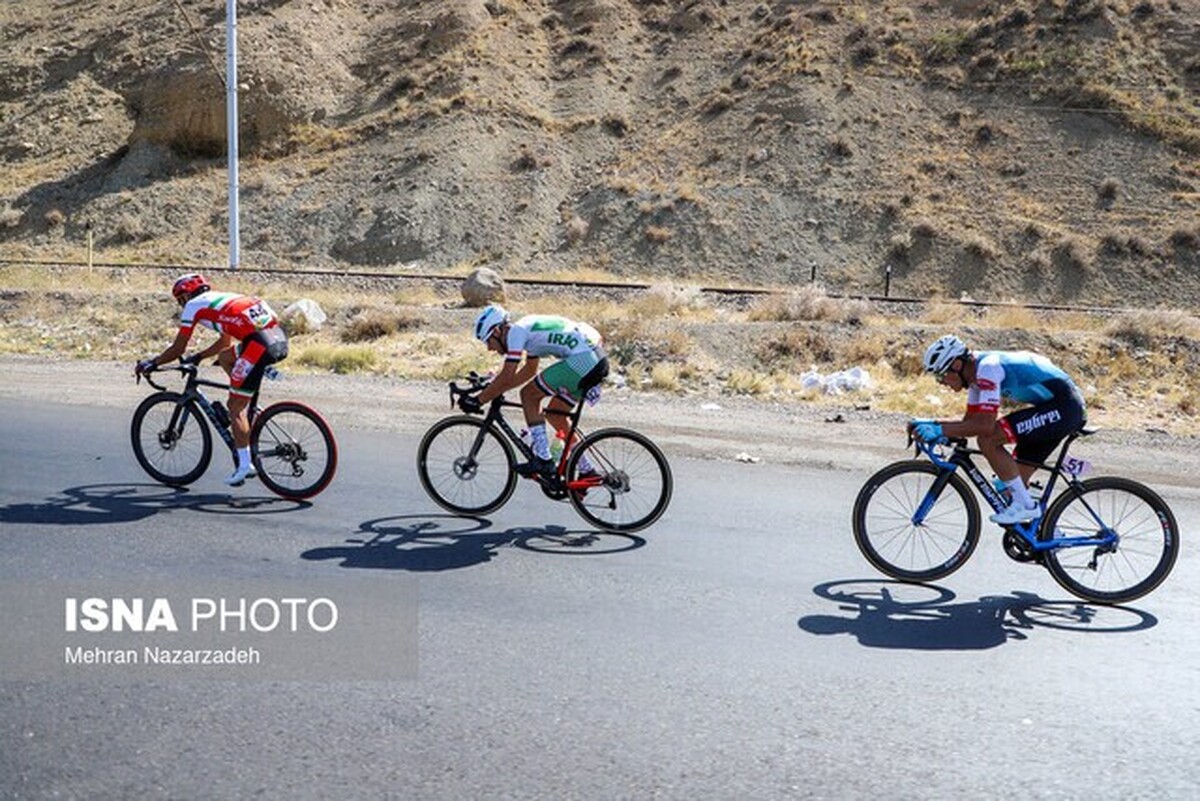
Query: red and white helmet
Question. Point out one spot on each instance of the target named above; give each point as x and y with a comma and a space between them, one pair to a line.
188, 285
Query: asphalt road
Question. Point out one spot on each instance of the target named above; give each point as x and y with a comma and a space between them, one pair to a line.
740, 648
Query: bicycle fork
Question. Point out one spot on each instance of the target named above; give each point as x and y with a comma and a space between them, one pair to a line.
931, 497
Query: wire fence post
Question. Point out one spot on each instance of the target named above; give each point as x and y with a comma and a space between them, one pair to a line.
887, 281
88, 228
813, 278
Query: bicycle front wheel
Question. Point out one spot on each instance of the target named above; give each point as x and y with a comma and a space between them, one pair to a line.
618, 480
466, 466
1145, 552
171, 441
896, 546
293, 449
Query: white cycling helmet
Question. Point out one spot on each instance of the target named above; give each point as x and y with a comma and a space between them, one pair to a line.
940, 355
487, 321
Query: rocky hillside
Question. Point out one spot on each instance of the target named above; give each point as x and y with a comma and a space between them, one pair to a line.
1034, 149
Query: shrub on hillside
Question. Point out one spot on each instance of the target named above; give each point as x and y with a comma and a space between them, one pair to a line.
1141, 328
808, 302
375, 323
1188, 238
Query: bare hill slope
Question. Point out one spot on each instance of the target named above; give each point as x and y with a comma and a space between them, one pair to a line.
1041, 149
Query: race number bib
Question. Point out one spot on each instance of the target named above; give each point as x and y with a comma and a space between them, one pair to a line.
1077, 467
260, 314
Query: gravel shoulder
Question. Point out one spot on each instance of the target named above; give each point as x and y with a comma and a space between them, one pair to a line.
717, 428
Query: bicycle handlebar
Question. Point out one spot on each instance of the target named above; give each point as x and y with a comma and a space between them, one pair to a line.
179, 368
929, 448
477, 384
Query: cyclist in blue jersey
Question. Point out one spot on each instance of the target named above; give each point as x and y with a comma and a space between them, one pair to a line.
582, 364
1055, 410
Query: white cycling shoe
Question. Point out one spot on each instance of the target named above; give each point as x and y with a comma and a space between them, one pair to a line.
238, 477
1013, 514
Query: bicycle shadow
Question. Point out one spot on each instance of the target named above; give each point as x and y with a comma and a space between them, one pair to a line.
432, 543
892, 614
102, 504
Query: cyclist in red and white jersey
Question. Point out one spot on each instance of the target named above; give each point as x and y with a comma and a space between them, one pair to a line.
1056, 410
582, 364
249, 340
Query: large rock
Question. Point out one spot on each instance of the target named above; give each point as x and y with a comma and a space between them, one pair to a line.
305, 316
482, 287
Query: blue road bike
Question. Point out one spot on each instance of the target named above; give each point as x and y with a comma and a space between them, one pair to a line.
1105, 539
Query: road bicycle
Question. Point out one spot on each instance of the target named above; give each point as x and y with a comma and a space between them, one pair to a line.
291, 446
467, 465
1105, 539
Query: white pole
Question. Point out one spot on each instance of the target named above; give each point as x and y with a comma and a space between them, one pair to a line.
231, 136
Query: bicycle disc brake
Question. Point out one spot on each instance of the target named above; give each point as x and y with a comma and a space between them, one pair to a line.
465, 468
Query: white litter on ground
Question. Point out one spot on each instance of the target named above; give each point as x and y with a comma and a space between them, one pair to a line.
853, 380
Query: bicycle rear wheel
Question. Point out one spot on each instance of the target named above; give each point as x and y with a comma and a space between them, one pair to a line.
170, 439
628, 485
885, 533
1142, 557
293, 450
466, 466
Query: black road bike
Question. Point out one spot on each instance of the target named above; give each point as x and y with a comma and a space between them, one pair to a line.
1105, 539
291, 446
467, 465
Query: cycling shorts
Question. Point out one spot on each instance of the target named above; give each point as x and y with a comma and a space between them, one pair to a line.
1037, 430
571, 378
254, 355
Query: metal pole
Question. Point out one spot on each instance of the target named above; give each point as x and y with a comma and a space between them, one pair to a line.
813, 279
887, 282
231, 136
88, 228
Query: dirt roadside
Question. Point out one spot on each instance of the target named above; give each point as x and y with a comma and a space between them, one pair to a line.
720, 428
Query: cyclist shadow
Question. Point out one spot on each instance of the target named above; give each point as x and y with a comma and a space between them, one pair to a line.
892, 614
99, 504
431, 543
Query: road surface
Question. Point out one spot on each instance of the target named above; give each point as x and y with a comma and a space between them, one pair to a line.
740, 648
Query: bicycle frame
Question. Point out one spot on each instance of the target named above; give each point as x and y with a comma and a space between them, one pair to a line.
192, 392
495, 418
1030, 532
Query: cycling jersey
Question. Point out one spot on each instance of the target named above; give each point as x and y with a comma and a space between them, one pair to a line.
583, 363
1057, 406
549, 335
228, 313
1016, 375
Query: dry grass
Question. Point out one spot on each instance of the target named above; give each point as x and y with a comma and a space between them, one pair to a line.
807, 303
1142, 327
337, 359
796, 346
1140, 369
658, 235
748, 382
1012, 317
945, 314
666, 376
672, 299
371, 324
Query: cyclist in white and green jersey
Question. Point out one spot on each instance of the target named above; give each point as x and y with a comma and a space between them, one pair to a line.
582, 364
